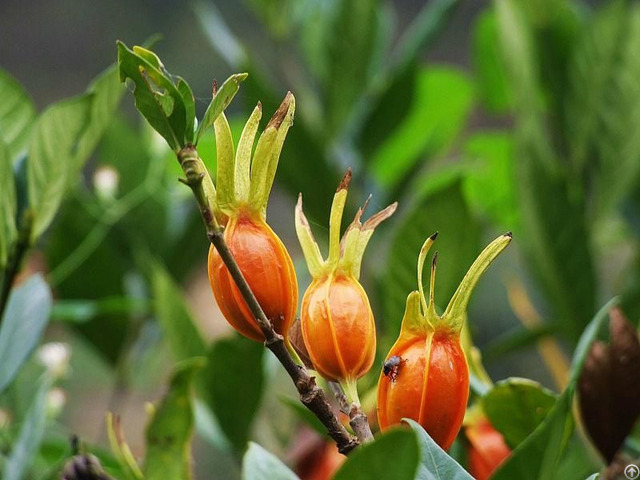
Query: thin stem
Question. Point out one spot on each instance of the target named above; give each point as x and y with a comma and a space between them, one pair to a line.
311, 395
357, 418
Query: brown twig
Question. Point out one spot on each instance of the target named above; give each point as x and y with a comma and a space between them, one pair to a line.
311, 395
357, 418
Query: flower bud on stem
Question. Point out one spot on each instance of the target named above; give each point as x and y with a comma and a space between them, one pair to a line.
310, 394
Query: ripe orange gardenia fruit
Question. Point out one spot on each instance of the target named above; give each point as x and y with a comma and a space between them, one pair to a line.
426, 375
487, 448
336, 319
243, 187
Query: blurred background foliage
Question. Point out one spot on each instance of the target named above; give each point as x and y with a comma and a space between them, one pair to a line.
477, 117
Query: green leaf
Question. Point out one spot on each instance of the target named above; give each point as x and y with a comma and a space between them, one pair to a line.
17, 114
423, 29
438, 205
435, 462
157, 97
178, 325
259, 464
106, 91
442, 102
350, 51
65, 135
490, 181
235, 378
82, 311
393, 455
493, 87
8, 205
23, 323
555, 236
220, 102
170, 430
538, 456
516, 406
52, 164
579, 459
603, 107
30, 436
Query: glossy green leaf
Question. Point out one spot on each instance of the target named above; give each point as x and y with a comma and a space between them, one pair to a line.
442, 102
17, 115
8, 205
30, 436
23, 324
235, 378
259, 464
52, 163
178, 325
516, 406
394, 455
490, 181
169, 432
438, 206
494, 90
156, 96
434, 461
538, 456
220, 102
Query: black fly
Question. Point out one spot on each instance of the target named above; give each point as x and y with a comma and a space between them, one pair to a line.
391, 367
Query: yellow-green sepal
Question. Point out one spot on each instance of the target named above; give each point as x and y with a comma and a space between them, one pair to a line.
310, 249
267, 154
226, 197
455, 314
242, 172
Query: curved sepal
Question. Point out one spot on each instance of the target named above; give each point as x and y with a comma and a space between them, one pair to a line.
310, 248
413, 321
456, 310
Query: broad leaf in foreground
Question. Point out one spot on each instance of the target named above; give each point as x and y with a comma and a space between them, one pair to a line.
23, 323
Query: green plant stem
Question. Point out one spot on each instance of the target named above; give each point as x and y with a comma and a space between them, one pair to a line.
15, 261
357, 418
311, 395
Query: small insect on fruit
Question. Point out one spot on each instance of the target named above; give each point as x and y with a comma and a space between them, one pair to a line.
391, 367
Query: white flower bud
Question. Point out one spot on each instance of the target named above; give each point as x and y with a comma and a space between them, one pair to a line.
54, 357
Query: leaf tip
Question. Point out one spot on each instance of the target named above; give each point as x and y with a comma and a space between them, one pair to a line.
287, 106
346, 180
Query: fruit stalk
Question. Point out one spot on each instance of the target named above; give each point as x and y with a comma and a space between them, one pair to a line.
311, 395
